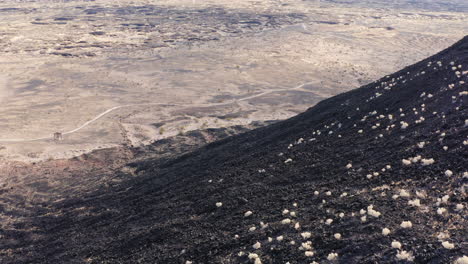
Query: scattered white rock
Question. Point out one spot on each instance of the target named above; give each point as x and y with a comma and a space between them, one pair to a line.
396, 244
406, 162
332, 256
257, 245
404, 255
253, 256
219, 204
462, 260
426, 162
248, 213
306, 235
415, 159
406, 224
337, 236
404, 193
448, 245
372, 212
445, 198
415, 202
443, 235
306, 246
421, 194
448, 173
385, 231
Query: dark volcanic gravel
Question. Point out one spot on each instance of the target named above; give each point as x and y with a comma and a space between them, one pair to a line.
169, 213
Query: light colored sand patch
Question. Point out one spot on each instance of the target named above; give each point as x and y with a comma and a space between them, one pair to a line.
4, 91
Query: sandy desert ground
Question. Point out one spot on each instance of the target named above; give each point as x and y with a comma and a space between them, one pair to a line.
110, 73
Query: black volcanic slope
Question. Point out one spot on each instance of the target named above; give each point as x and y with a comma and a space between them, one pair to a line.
404, 138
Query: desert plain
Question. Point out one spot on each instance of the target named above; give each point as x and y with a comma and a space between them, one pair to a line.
127, 73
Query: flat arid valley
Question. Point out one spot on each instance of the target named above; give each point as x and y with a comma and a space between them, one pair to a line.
233, 131
107, 73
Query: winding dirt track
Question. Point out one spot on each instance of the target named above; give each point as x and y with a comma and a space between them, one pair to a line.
99, 116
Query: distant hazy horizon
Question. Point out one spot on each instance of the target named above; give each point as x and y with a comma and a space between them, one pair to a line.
432, 5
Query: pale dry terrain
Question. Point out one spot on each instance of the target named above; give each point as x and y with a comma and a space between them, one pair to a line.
107, 73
